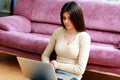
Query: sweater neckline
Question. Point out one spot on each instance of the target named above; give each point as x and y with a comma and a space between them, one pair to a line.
67, 44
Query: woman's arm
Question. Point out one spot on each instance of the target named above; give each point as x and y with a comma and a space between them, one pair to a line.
50, 47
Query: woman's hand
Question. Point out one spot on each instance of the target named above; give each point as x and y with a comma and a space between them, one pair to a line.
53, 62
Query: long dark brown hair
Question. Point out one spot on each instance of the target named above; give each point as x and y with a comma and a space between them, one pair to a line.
76, 15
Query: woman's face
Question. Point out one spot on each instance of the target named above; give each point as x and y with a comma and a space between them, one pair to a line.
67, 21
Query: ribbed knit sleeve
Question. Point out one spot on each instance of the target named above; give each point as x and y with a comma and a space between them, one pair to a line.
50, 47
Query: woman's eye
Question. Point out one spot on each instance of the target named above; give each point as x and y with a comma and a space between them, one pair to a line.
70, 19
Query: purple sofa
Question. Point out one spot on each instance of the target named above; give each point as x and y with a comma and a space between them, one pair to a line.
28, 31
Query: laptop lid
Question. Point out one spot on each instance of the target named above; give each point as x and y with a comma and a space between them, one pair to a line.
29, 67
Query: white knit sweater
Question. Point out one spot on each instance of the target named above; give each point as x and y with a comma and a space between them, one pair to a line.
72, 57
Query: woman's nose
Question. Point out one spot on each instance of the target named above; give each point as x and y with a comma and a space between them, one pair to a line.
66, 20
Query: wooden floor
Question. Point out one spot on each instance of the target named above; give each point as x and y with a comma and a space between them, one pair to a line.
10, 70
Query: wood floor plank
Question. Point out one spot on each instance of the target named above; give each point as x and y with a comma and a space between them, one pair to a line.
10, 70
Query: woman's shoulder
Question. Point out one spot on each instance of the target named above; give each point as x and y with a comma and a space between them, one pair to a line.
84, 34
59, 30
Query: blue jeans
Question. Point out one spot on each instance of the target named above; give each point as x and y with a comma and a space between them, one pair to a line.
61, 75
64, 75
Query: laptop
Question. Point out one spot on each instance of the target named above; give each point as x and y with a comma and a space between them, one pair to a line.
29, 67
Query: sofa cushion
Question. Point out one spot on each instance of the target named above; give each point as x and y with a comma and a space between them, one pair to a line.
40, 10
104, 54
104, 37
24, 9
29, 42
50, 11
44, 28
101, 15
98, 15
15, 23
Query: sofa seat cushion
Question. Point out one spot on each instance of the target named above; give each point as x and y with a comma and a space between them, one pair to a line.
104, 54
43, 28
15, 23
30, 42
105, 37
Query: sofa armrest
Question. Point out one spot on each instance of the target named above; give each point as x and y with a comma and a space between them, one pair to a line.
15, 23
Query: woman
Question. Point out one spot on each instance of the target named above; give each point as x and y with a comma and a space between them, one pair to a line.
71, 42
